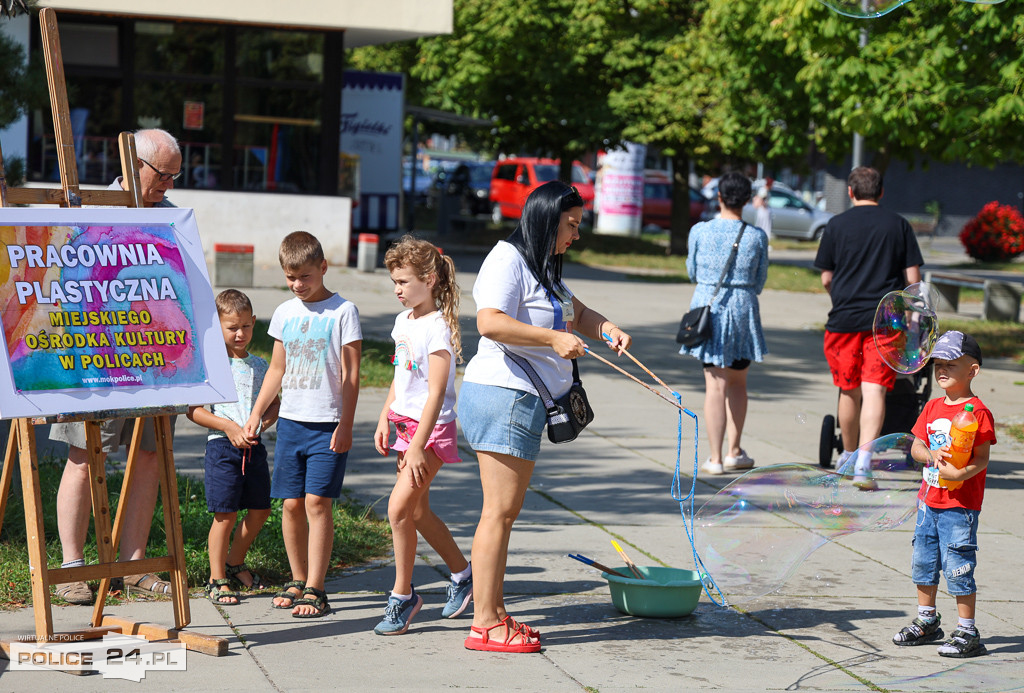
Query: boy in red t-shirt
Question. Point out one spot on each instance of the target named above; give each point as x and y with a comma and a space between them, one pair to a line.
946, 534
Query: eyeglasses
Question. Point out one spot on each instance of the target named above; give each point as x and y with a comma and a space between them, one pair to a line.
163, 176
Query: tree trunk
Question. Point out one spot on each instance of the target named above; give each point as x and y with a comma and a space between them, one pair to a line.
565, 168
680, 230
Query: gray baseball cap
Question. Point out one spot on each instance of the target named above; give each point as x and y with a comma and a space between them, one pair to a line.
953, 345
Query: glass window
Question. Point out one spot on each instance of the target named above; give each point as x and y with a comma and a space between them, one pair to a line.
193, 113
545, 172
506, 172
279, 55
95, 45
277, 139
95, 112
192, 49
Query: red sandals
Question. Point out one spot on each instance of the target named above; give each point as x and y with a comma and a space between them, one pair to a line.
519, 638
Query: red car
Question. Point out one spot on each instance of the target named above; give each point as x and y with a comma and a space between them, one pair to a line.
658, 202
515, 178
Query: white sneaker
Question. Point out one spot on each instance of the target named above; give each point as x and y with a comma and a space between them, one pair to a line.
843, 457
739, 463
712, 468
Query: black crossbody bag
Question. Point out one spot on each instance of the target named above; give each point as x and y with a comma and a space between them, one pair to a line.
567, 415
695, 327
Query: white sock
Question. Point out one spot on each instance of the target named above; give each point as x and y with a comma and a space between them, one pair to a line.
863, 464
403, 597
967, 624
77, 563
462, 575
926, 613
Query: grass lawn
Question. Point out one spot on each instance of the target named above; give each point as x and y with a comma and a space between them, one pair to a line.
359, 536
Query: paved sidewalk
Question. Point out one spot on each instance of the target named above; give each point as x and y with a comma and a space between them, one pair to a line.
828, 628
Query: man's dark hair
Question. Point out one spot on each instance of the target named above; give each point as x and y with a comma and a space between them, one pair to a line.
865, 183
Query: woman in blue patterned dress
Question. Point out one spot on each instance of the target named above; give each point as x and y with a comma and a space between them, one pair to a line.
737, 337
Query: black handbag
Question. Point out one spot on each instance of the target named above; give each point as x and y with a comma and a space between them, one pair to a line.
567, 415
695, 327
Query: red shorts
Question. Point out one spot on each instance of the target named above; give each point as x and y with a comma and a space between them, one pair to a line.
443, 439
853, 359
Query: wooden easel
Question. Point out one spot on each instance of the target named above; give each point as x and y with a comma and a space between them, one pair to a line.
22, 435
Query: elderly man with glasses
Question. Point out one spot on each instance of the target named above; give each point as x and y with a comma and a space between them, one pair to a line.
160, 165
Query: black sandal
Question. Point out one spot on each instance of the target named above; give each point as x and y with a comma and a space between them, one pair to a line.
320, 603
234, 570
285, 594
215, 593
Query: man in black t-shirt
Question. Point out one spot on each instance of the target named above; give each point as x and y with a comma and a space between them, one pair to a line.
865, 253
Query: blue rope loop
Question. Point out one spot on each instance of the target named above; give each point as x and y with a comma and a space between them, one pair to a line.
706, 579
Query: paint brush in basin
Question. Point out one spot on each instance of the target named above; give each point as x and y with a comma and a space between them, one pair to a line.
592, 562
629, 564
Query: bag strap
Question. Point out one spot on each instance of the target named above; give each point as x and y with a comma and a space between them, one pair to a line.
728, 263
531, 373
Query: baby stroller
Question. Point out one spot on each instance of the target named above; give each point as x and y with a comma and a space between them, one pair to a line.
902, 405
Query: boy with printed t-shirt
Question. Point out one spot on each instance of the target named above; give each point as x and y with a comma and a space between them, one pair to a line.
315, 365
236, 472
946, 533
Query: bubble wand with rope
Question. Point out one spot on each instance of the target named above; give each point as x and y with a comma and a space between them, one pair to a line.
676, 401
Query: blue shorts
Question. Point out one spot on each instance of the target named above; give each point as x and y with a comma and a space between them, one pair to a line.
228, 490
304, 462
946, 540
502, 420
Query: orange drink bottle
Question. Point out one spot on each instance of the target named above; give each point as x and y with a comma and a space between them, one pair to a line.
961, 433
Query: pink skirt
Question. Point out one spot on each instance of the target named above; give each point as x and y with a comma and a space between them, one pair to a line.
443, 439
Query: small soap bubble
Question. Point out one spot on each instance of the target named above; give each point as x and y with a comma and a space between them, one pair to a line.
871, 9
905, 328
754, 534
801, 417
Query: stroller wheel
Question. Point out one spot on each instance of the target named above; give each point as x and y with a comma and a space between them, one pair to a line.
827, 444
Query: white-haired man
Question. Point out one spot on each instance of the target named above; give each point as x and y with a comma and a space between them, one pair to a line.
159, 162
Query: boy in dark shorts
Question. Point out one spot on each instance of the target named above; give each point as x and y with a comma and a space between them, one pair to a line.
237, 476
946, 532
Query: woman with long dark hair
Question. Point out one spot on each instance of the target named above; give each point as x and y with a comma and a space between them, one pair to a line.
522, 304
737, 337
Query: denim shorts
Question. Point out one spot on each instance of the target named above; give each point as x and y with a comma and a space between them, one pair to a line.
229, 487
501, 420
946, 541
304, 462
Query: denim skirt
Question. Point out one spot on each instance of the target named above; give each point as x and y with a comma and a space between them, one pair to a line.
501, 420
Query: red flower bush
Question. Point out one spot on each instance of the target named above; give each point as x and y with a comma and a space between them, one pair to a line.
995, 235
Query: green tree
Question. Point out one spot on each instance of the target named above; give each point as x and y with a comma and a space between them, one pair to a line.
945, 85
708, 81
534, 66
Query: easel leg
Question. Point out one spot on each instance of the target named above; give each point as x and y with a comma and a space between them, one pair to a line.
34, 531
8, 471
172, 521
100, 508
126, 488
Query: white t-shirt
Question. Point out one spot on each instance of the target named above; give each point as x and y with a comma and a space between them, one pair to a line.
248, 374
312, 335
415, 340
506, 283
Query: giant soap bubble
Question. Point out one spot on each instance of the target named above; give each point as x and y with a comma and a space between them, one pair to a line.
870, 9
754, 533
906, 327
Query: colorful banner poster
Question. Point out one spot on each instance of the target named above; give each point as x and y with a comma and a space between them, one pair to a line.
106, 309
620, 194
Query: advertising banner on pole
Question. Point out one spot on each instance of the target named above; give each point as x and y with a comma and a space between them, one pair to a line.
620, 194
106, 309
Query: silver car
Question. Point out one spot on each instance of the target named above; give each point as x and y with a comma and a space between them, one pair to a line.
791, 216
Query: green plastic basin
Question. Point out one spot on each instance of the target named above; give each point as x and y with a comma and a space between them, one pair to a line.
663, 593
